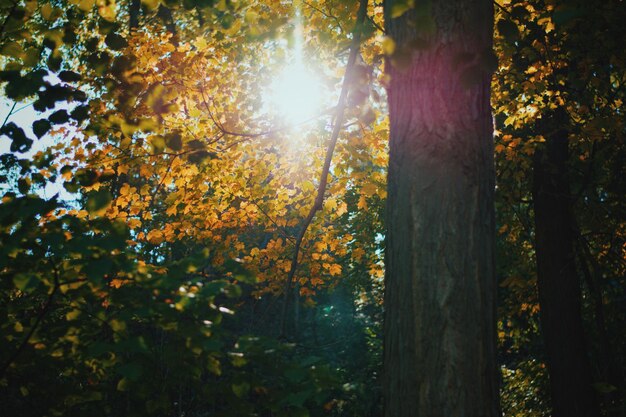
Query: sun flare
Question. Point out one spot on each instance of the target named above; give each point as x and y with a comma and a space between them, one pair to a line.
296, 94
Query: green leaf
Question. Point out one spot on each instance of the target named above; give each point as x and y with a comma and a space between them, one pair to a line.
12, 49
214, 366
240, 273
298, 398
59, 116
23, 185
71, 186
98, 200
508, 30
98, 268
80, 113
241, 390
158, 143
69, 76
115, 41
86, 177
123, 384
174, 141
132, 371
41, 127
21, 143
400, 7
233, 291
197, 157
24, 281
72, 315
196, 145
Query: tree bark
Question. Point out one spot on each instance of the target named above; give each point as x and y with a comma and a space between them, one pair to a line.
559, 285
439, 343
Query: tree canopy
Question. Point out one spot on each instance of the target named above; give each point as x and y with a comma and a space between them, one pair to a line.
188, 228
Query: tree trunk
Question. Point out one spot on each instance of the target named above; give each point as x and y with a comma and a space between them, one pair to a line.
558, 283
439, 345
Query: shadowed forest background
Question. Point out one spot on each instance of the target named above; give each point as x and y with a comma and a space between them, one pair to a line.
194, 197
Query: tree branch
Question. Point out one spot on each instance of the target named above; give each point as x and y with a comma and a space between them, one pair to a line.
321, 189
34, 327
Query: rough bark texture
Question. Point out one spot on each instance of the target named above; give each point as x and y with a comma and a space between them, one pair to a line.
439, 345
559, 285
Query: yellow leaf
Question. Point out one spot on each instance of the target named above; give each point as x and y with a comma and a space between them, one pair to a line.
330, 204
362, 204
72, 315
46, 11
155, 237
145, 172
200, 43
117, 283
122, 169
151, 4
107, 12
117, 325
368, 189
134, 223
343, 208
251, 17
86, 5
389, 45
335, 269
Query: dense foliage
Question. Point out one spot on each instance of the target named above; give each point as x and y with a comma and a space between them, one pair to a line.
153, 281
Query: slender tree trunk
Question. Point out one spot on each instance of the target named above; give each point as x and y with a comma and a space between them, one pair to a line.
559, 286
439, 346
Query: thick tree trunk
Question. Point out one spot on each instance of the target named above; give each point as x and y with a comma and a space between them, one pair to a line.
559, 286
439, 346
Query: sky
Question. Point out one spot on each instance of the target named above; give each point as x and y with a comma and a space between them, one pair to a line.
24, 115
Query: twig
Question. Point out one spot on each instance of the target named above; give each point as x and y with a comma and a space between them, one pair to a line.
244, 135
321, 189
33, 328
6, 119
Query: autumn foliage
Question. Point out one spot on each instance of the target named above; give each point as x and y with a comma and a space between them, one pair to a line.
151, 207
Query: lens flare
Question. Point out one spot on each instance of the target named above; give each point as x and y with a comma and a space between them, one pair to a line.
296, 94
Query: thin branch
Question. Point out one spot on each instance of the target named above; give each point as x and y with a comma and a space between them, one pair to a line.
244, 136
376, 25
328, 15
321, 189
280, 229
34, 327
6, 119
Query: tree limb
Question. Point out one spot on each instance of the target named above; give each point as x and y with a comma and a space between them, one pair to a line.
321, 189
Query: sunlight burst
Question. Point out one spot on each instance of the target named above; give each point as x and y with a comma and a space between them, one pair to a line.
296, 94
